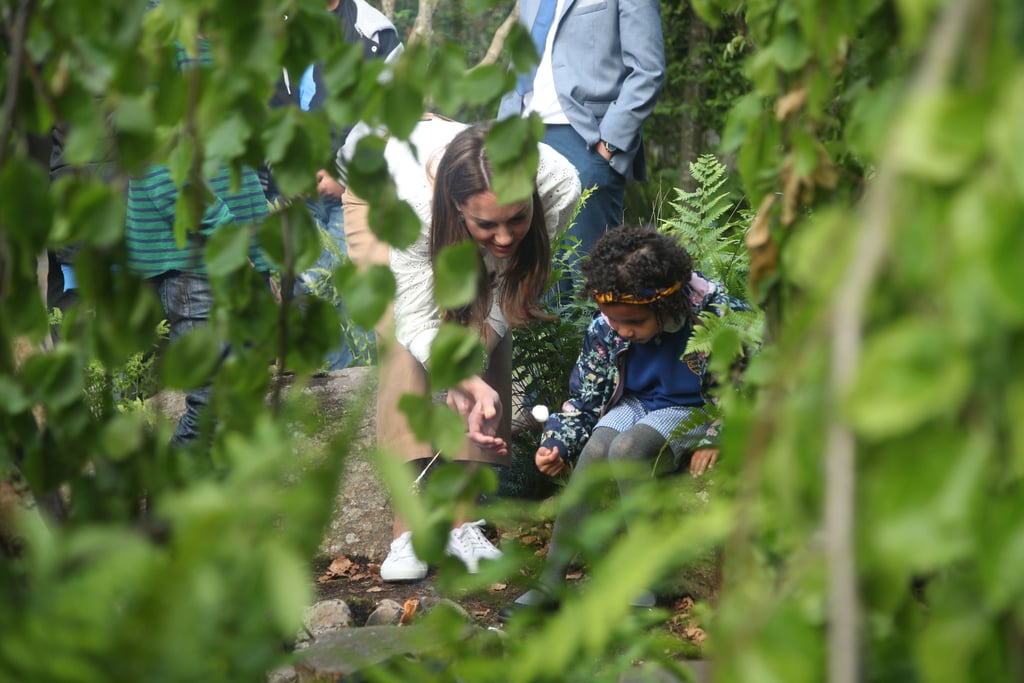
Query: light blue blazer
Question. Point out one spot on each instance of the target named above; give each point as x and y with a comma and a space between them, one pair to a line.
608, 60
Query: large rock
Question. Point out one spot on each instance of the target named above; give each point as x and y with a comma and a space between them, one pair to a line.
362, 524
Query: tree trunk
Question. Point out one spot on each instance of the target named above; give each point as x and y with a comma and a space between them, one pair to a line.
387, 7
498, 42
691, 130
423, 28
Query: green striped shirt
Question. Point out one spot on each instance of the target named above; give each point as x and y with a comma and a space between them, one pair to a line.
149, 229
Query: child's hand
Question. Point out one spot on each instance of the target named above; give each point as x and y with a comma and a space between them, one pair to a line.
703, 459
548, 461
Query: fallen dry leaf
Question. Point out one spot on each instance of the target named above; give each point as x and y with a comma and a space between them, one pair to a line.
574, 575
375, 589
684, 604
530, 540
695, 634
408, 611
340, 565
495, 587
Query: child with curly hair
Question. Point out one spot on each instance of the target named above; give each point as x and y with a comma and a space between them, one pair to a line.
634, 385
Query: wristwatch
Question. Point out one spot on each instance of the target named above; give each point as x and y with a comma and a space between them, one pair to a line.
612, 149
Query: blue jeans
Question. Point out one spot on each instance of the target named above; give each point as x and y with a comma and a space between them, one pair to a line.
187, 299
329, 217
603, 209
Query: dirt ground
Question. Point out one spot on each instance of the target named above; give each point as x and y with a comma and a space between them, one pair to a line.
357, 581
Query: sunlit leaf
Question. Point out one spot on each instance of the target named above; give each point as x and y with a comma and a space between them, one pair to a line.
455, 275
366, 295
455, 354
911, 371
227, 249
435, 424
190, 360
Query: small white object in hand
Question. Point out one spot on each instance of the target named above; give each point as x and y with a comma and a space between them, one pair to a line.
540, 413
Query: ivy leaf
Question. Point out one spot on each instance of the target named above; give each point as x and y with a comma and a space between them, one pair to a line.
456, 274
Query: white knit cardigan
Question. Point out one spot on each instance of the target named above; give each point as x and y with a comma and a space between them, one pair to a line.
413, 167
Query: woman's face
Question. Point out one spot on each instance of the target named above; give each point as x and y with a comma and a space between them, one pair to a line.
498, 228
635, 322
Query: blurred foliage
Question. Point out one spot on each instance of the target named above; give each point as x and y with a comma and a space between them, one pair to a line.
867, 119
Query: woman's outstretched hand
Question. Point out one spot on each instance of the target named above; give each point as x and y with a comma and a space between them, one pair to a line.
480, 406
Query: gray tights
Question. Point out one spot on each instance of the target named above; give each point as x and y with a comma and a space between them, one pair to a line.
626, 453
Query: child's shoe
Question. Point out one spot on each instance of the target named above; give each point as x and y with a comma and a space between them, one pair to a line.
540, 600
401, 564
469, 544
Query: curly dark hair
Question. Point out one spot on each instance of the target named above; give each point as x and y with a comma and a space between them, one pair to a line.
632, 262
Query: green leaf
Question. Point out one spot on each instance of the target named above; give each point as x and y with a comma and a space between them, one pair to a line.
435, 424
910, 372
26, 210
96, 214
455, 354
288, 586
227, 139
366, 295
929, 138
403, 108
134, 114
788, 50
227, 249
521, 48
456, 274
290, 234
483, 84
313, 330
124, 435
394, 222
12, 398
190, 360
512, 150
55, 378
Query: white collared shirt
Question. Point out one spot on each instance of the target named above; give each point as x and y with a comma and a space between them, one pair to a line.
543, 99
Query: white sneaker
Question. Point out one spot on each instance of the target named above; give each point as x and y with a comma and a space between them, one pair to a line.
401, 564
469, 544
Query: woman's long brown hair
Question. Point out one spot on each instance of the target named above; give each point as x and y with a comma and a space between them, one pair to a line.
464, 171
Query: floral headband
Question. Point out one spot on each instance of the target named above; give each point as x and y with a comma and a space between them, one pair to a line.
643, 297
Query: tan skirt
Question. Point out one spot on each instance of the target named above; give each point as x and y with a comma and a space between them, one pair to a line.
400, 373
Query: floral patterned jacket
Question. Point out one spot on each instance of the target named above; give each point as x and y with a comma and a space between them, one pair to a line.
594, 385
